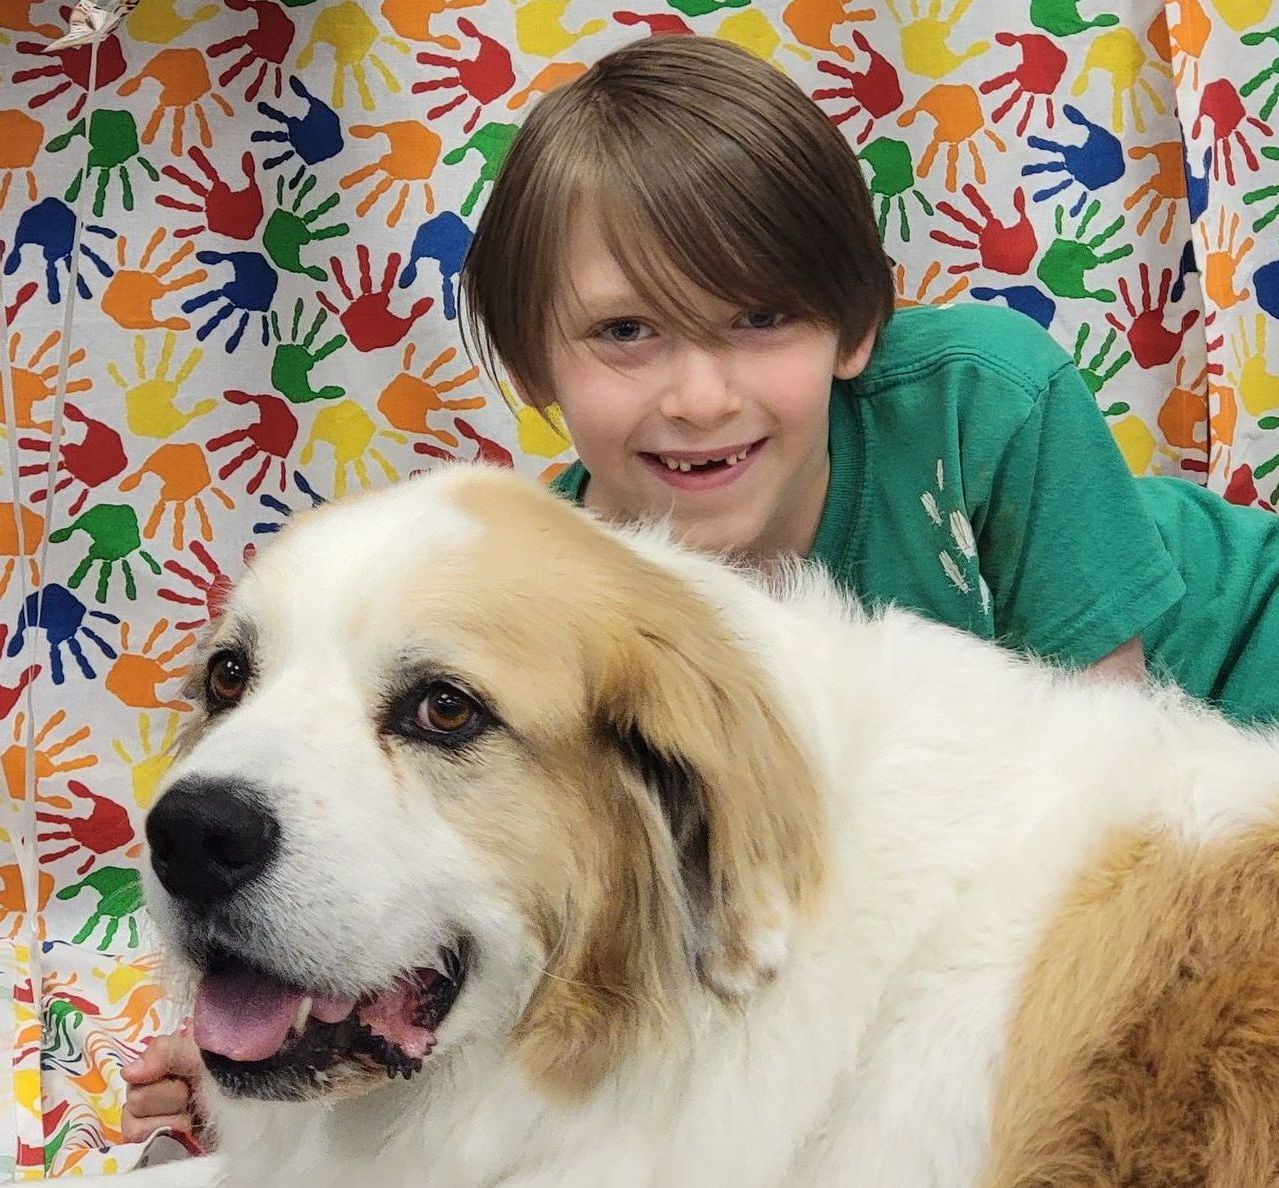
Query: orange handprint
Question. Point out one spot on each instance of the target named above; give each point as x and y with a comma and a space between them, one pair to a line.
347, 29
1183, 416
49, 759
1222, 261
130, 296
13, 900
21, 531
411, 19
813, 23
350, 431
1119, 54
134, 677
409, 399
184, 83
20, 139
1187, 37
184, 477
919, 296
924, 36
549, 78
16, 15
958, 115
413, 149
1166, 187
33, 384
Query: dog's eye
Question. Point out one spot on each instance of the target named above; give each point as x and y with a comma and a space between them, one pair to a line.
227, 678
446, 710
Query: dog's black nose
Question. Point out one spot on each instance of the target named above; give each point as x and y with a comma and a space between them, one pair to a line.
209, 838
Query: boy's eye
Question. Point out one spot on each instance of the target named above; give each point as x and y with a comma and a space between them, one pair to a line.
761, 319
625, 330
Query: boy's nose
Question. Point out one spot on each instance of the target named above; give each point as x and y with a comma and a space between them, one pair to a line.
700, 389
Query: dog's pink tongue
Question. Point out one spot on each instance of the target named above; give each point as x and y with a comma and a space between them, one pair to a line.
390, 1015
243, 1015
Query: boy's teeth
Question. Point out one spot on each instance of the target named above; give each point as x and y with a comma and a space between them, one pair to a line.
685, 467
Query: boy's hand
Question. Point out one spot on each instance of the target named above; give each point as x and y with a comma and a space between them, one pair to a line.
163, 1088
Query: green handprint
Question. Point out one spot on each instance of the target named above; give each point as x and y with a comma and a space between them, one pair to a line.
491, 142
892, 175
287, 232
1092, 371
1262, 76
113, 534
696, 8
1066, 261
1060, 18
62, 1018
1271, 153
113, 142
119, 898
293, 362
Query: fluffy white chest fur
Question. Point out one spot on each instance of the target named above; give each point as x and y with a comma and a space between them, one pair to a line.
651, 876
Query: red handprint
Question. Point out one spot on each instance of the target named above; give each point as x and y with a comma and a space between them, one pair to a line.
1221, 104
367, 318
22, 296
9, 694
658, 24
1152, 343
1002, 247
875, 91
234, 213
1242, 489
1043, 62
487, 450
106, 828
481, 79
271, 437
212, 588
268, 43
72, 67
94, 460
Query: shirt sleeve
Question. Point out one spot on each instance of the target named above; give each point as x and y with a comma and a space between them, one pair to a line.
1074, 562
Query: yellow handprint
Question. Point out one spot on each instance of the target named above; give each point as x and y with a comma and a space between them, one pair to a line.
958, 115
540, 432
350, 431
753, 31
145, 773
149, 404
347, 29
1136, 442
157, 21
1119, 54
131, 294
540, 29
924, 48
1256, 385
1241, 14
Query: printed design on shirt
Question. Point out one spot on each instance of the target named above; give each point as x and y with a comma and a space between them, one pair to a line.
958, 554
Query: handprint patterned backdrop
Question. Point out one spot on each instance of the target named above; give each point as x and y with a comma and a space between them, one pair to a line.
277, 197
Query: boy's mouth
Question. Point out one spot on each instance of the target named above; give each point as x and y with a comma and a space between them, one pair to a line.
695, 470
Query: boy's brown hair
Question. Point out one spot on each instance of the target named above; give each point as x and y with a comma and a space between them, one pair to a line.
700, 163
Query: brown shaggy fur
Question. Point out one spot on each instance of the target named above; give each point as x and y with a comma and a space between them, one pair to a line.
1146, 1048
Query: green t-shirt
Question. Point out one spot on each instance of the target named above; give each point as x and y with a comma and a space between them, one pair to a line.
973, 479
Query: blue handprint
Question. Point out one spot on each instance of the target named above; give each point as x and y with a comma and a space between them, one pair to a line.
282, 509
1196, 187
444, 239
61, 616
313, 137
50, 226
1024, 299
1098, 162
250, 291
1265, 284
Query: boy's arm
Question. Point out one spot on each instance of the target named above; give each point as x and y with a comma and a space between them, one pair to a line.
1127, 662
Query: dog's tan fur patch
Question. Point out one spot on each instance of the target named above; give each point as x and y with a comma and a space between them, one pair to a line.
1146, 1047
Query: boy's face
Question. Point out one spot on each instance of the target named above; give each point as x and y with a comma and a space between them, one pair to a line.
729, 439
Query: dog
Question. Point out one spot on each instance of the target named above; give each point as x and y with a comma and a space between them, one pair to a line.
507, 847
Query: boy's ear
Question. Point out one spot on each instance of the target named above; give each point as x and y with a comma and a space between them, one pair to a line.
852, 363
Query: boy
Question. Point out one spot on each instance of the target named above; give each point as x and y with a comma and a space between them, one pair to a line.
680, 252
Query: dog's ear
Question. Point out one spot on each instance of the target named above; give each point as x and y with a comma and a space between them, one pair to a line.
695, 717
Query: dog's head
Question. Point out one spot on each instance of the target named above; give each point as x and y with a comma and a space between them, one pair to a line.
472, 769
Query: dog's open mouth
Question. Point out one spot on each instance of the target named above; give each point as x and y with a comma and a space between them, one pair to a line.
256, 1030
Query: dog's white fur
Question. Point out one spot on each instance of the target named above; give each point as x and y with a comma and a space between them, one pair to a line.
959, 789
